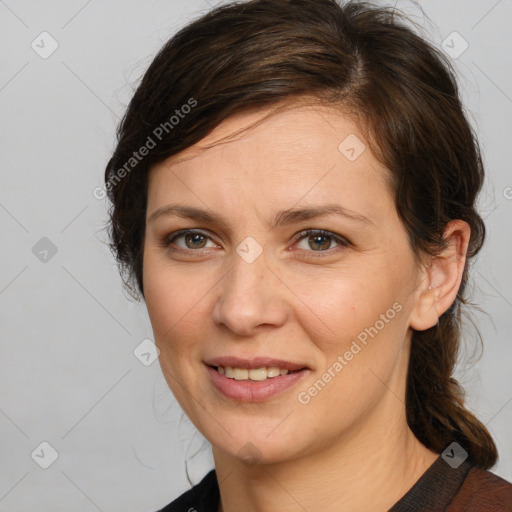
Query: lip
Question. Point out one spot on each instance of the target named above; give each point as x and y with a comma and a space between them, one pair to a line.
254, 391
257, 362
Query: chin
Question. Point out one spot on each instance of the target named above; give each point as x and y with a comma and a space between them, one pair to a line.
257, 448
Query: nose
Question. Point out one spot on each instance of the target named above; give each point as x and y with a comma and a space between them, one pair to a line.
251, 295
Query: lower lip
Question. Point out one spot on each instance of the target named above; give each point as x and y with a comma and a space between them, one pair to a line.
254, 391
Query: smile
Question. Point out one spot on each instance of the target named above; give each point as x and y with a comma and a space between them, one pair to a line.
255, 374
242, 387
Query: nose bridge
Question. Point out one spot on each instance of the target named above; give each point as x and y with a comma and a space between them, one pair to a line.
248, 296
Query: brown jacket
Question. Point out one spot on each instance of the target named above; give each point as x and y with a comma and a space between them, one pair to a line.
463, 489
441, 488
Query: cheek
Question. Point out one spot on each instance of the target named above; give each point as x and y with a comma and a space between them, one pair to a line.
173, 297
179, 304
341, 302
358, 352
175, 301
356, 316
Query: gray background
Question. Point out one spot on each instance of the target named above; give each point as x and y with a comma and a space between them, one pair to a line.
68, 374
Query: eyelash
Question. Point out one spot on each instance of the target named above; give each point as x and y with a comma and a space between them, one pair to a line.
343, 242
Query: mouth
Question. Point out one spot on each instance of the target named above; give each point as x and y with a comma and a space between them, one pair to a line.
253, 374
258, 368
254, 380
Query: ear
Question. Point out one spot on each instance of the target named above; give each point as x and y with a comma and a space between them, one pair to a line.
440, 280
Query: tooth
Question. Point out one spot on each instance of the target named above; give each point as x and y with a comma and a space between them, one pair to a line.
240, 373
258, 374
273, 371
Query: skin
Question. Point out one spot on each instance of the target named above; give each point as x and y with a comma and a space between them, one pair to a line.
349, 448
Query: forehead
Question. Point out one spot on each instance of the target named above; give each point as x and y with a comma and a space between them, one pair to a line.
309, 151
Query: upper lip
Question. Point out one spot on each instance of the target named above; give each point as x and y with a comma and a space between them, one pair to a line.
257, 362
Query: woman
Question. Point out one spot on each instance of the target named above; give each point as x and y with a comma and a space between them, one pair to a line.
293, 195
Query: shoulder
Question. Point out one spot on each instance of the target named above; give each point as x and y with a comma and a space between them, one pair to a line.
482, 490
203, 497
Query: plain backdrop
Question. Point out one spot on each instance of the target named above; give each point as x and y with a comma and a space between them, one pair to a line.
74, 395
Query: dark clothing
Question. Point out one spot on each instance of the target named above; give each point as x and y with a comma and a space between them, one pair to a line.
441, 488
464, 489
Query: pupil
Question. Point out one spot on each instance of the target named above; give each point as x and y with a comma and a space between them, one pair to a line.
194, 238
317, 240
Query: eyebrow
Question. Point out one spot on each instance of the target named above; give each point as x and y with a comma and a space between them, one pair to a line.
283, 217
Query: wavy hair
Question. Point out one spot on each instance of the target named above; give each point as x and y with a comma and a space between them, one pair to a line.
369, 62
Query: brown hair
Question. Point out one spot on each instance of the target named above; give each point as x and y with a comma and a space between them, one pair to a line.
365, 60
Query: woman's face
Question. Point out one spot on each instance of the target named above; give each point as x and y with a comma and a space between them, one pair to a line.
246, 282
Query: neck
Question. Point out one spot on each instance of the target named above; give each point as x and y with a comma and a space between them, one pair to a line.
357, 472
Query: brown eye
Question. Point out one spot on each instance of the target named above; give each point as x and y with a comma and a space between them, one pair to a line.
318, 241
193, 240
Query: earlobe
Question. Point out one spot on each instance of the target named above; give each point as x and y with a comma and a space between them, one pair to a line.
442, 278
425, 314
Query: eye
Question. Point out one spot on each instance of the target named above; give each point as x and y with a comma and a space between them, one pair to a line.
318, 240
192, 239
313, 240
